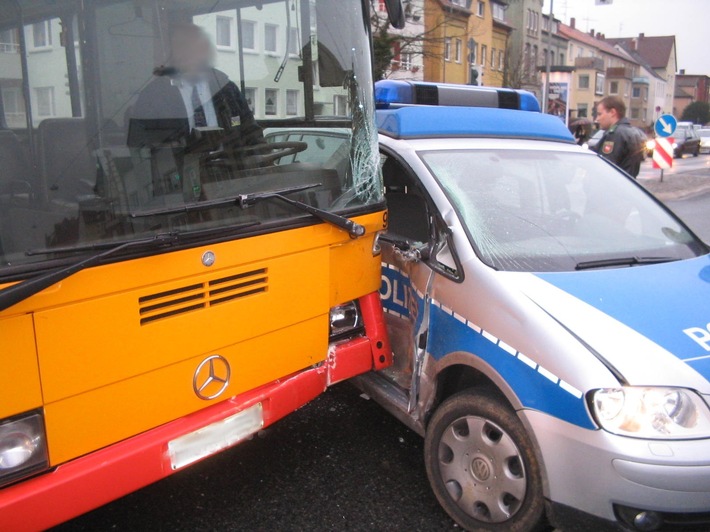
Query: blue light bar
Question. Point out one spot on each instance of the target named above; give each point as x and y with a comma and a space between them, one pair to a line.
431, 122
392, 93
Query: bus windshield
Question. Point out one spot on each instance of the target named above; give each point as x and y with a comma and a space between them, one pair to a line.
124, 119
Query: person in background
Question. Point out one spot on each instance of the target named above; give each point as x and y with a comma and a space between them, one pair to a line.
619, 144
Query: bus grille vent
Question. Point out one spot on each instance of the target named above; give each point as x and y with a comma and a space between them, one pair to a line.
200, 296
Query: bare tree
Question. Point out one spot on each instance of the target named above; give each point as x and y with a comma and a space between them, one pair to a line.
426, 43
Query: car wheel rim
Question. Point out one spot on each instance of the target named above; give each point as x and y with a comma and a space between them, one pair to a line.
482, 469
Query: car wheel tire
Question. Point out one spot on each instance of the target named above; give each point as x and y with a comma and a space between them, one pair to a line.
482, 466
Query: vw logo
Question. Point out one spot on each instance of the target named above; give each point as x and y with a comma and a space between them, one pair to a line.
211, 377
480, 469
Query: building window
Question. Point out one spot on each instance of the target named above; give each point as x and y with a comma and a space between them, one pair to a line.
493, 58
501, 60
498, 11
599, 84
405, 61
447, 49
9, 42
534, 59
583, 82
636, 92
42, 34
291, 102
614, 87
526, 58
250, 97
484, 54
562, 58
271, 33
480, 8
458, 50
340, 105
294, 47
223, 34
582, 110
248, 35
271, 101
45, 101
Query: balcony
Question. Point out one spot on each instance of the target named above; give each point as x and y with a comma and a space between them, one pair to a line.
619, 72
597, 63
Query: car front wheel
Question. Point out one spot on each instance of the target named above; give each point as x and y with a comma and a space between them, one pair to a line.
481, 465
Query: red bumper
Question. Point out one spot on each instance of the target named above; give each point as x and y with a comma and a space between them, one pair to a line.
105, 475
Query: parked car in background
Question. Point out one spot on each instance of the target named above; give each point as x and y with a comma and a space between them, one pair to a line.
704, 135
685, 140
548, 320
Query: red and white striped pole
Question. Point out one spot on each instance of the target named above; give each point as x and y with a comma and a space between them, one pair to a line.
663, 154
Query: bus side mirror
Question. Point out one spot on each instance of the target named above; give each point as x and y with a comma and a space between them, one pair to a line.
396, 13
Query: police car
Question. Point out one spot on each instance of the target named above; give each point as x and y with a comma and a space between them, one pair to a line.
548, 317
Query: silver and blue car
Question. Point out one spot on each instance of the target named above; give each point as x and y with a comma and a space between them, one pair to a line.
548, 317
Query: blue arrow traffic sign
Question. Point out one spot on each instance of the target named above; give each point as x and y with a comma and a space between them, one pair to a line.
665, 125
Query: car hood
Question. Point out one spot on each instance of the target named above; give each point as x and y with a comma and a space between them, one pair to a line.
648, 324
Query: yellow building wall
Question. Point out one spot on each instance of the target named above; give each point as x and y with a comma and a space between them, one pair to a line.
441, 25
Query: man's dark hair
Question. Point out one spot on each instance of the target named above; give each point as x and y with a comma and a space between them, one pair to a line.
616, 103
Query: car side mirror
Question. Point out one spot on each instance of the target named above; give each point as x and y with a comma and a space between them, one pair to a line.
407, 250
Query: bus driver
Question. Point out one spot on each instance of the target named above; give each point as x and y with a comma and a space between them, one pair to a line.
189, 87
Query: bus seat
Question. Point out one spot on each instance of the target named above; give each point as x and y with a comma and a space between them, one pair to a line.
66, 162
15, 171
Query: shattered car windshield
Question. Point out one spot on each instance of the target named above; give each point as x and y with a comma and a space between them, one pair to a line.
116, 114
542, 211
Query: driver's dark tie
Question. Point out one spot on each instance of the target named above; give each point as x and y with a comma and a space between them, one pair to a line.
199, 112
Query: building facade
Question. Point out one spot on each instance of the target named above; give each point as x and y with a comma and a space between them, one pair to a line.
446, 45
524, 45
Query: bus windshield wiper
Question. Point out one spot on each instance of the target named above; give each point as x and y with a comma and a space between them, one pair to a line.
353, 228
20, 291
243, 201
622, 261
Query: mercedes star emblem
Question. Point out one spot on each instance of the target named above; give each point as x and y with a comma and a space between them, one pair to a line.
211, 377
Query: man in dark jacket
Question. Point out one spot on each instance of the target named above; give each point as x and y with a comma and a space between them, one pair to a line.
190, 89
620, 142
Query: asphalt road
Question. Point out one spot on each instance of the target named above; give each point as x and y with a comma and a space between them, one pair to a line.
340, 463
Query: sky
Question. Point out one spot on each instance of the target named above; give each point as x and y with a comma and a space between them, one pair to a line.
686, 19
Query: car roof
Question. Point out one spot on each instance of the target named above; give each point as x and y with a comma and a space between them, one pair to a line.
442, 122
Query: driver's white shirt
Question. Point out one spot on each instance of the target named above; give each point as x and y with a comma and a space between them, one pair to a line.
203, 91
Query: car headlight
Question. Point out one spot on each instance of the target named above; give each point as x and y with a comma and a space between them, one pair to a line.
23, 447
650, 144
345, 321
652, 412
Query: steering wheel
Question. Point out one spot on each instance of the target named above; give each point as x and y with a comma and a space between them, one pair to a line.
569, 218
283, 149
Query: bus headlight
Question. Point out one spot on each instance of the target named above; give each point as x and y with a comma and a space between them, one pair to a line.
652, 412
23, 447
345, 321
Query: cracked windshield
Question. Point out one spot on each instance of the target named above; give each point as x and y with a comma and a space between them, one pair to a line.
538, 211
121, 120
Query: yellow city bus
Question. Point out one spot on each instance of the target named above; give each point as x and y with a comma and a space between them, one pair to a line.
177, 271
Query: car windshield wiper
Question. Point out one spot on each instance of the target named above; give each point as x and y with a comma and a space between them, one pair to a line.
243, 201
20, 291
622, 261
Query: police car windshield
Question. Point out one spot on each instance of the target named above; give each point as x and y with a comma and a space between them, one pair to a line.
542, 211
